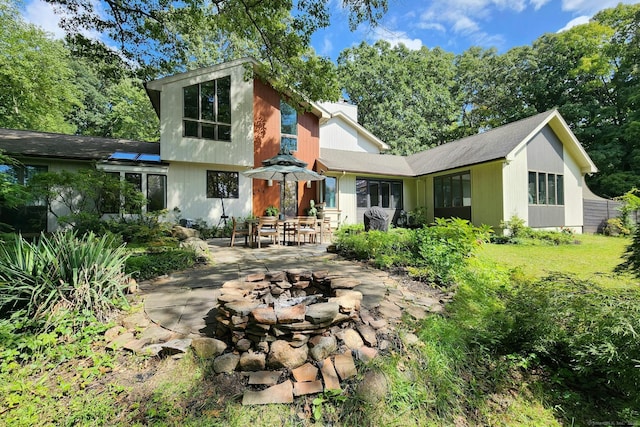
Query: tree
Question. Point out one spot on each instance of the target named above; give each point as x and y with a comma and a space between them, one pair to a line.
165, 36
404, 96
36, 79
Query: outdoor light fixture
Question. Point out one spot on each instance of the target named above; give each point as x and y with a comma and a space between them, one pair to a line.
269, 183
308, 184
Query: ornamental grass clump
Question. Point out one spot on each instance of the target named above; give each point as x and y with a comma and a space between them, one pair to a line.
62, 271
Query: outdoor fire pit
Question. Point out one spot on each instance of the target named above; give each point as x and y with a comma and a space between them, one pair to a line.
280, 319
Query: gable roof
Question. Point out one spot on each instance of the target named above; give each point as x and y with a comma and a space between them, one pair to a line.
361, 130
76, 147
496, 144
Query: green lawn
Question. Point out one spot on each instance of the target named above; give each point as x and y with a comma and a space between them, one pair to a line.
594, 258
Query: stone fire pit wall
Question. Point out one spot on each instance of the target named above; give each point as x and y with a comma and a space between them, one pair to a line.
279, 319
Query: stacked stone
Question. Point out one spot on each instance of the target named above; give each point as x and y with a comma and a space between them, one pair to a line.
287, 316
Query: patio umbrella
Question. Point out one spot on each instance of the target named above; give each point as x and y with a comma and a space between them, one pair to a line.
283, 167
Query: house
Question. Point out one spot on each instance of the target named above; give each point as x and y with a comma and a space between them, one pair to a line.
219, 121
533, 168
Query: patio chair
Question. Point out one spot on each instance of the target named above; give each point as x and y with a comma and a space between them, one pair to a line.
326, 228
239, 230
306, 227
268, 226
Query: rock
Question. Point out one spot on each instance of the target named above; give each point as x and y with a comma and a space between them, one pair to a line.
373, 388
389, 310
136, 320
207, 348
306, 372
263, 346
322, 347
243, 344
368, 334
250, 361
321, 312
120, 340
329, 375
112, 333
226, 363
183, 233
281, 393
196, 244
132, 286
136, 346
351, 338
156, 334
283, 355
349, 302
310, 387
366, 354
345, 366
378, 324
241, 308
291, 314
275, 276
176, 346
255, 277
344, 283
264, 315
298, 340
264, 377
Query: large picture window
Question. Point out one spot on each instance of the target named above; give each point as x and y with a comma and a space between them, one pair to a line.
288, 127
546, 189
207, 110
156, 192
382, 193
452, 191
221, 184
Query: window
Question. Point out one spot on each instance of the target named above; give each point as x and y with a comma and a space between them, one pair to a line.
288, 127
111, 199
207, 110
546, 189
21, 174
329, 192
385, 194
135, 179
222, 185
156, 192
452, 191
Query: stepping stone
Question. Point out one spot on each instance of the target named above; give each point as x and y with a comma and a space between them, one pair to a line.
389, 310
264, 377
345, 366
330, 376
156, 334
307, 387
306, 372
344, 283
120, 341
281, 393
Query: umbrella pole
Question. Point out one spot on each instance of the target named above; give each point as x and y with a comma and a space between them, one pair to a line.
282, 193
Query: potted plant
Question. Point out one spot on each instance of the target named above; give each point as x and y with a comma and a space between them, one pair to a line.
271, 211
312, 211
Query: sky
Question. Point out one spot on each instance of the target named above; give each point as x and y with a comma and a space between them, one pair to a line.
453, 25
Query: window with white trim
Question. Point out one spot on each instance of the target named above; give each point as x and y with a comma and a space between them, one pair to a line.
288, 127
207, 110
546, 189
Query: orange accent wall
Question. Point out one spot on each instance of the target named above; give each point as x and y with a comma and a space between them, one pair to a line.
266, 144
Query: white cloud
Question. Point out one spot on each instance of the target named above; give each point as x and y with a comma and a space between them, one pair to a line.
574, 22
396, 37
537, 4
327, 47
41, 14
465, 25
431, 26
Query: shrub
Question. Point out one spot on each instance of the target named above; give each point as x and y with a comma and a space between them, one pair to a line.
62, 271
632, 256
152, 264
587, 336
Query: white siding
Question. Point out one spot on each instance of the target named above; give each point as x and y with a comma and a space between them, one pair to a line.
345, 108
573, 192
347, 199
175, 147
515, 180
341, 135
487, 194
187, 190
